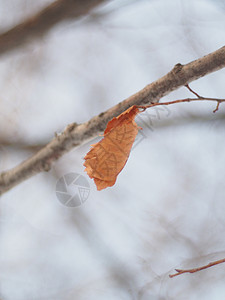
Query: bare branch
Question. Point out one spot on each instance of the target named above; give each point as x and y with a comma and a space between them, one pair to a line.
200, 98
188, 87
194, 270
42, 22
75, 135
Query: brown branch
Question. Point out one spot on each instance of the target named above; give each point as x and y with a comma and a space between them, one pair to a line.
75, 135
194, 270
39, 24
217, 107
200, 98
193, 92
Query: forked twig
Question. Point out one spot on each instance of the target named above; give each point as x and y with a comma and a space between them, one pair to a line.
199, 98
194, 270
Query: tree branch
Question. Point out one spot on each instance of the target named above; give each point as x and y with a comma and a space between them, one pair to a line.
194, 270
42, 22
75, 135
144, 107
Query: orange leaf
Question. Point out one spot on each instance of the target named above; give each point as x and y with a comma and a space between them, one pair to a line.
107, 158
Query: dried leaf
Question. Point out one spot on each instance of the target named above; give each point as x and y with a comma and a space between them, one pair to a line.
107, 158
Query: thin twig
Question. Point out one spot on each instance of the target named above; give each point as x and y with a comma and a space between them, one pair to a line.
194, 270
190, 89
75, 135
144, 107
217, 107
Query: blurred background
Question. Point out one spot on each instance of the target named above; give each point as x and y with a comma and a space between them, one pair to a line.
167, 207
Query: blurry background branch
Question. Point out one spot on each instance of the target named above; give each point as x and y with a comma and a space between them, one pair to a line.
75, 135
43, 21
